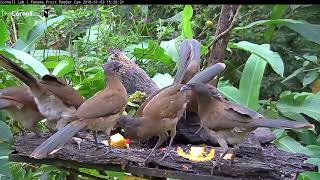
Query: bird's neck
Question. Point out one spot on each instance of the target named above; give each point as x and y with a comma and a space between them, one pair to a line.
113, 81
203, 98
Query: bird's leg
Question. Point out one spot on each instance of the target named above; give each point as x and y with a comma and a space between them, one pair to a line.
94, 133
198, 130
162, 138
235, 151
109, 143
172, 135
225, 149
96, 142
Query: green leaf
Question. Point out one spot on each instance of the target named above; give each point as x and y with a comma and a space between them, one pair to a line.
307, 137
58, 9
175, 18
94, 77
315, 150
308, 175
277, 12
229, 91
287, 143
264, 52
36, 65
118, 175
4, 168
5, 133
309, 78
25, 26
301, 97
250, 81
187, 14
92, 172
279, 133
307, 30
42, 54
37, 32
163, 80
294, 74
153, 52
65, 66
310, 106
4, 149
170, 48
3, 33
4, 162
311, 58
294, 116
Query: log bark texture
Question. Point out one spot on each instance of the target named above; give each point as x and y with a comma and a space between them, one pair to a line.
133, 77
251, 162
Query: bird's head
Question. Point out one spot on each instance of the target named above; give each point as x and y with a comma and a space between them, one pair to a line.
203, 90
130, 126
112, 66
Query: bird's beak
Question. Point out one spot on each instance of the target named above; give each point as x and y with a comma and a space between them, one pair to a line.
185, 88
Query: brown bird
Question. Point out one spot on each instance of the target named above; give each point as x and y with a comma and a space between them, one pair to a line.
190, 58
192, 69
227, 122
99, 113
162, 111
56, 100
21, 107
194, 65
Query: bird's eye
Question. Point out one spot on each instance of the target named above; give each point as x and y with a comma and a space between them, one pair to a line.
218, 95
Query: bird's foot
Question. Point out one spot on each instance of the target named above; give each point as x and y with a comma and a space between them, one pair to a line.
166, 155
38, 134
97, 147
146, 161
78, 141
216, 164
94, 156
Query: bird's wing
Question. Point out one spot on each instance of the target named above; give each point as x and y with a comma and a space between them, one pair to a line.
242, 110
7, 101
102, 104
139, 112
167, 103
63, 91
17, 96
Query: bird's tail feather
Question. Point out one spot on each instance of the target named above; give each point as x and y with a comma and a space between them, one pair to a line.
17, 71
57, 140
208, 74
188, 49
280, 123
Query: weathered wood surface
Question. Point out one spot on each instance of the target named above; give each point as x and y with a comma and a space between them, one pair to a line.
133, 77
250, 163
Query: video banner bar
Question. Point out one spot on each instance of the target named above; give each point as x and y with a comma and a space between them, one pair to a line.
62, 2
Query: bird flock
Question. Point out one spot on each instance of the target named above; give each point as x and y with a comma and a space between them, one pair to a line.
67, 113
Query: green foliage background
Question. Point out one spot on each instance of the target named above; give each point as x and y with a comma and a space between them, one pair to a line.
272, 60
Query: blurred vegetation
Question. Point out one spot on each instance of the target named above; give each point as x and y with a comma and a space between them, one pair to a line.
272, 62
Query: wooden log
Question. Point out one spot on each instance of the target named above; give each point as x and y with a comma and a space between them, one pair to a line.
251, 162
133, 77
